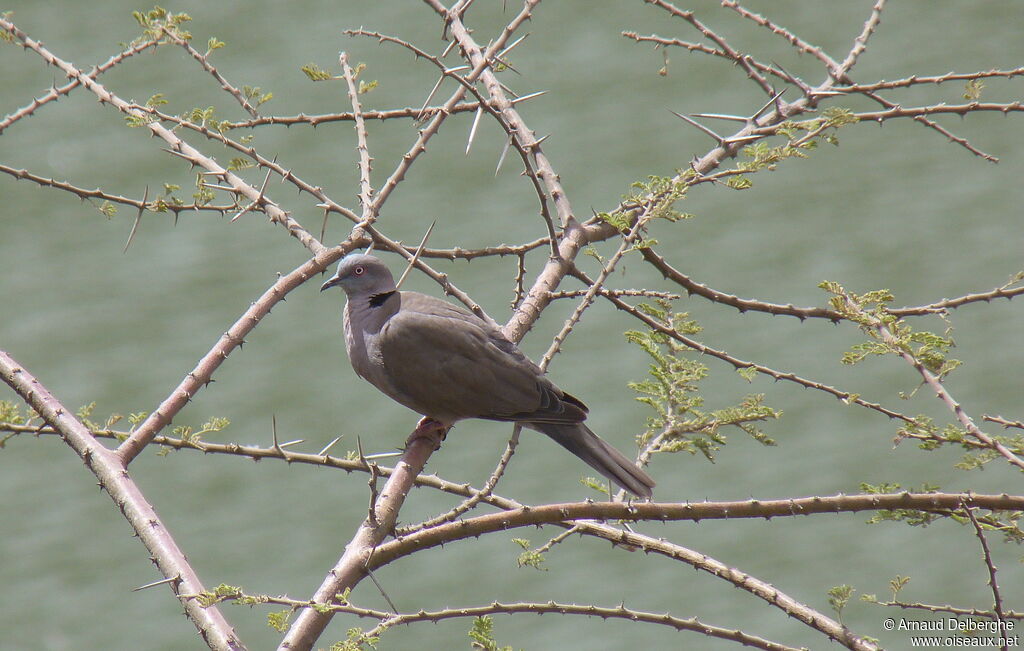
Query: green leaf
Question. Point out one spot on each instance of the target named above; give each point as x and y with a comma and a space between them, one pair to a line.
315, 72
482, 635
739, 182
279, 620
218, 594
972, 89
838, 597
748, 373
529, 557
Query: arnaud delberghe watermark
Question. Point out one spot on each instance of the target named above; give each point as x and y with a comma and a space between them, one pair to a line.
950, 624
980, 632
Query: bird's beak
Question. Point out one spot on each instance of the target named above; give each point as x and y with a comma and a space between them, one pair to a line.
331, 282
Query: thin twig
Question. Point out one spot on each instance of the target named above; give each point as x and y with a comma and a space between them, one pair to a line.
991, 567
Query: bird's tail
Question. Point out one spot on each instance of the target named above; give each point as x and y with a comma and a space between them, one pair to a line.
578, 439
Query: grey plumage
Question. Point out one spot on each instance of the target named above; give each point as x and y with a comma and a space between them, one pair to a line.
446, 363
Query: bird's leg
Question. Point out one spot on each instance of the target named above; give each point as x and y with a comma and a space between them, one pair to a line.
428, 428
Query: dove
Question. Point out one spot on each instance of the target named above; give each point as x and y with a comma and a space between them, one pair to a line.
447, 364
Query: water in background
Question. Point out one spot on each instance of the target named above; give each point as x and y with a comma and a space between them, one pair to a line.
896, 207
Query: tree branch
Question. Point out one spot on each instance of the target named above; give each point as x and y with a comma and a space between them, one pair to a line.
118, 484
352, 566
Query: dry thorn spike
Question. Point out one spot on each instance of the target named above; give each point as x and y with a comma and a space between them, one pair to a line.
279, 447
138, 218
504, 152
172, 579
259, 198
738, 139
510, 47
721, 116
416, 256
793, 79
447, 72
384, 455
448, 50
327, 447
523, 98
472, 130
772, 101
719, 139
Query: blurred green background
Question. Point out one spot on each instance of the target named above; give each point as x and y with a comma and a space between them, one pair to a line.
896, 206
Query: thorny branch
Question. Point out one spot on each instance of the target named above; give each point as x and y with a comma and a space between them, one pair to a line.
366, 551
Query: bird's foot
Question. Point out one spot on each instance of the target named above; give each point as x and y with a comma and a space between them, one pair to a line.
430, 429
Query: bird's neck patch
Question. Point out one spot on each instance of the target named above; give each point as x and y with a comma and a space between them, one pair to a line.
378, 299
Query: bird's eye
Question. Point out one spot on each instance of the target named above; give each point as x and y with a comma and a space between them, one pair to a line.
358, 271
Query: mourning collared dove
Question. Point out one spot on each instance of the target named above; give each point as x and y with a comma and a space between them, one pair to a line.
448, 364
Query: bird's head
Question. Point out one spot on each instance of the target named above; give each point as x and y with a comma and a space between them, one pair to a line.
361, 274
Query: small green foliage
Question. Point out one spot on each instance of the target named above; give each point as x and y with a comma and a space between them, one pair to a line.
315, 72
870, 312
136, 418
836, 116
83, 414
343, 597
644, 243
279, 620
158, 23
663, 70
255, 96
748, 373
108, 209
213, 44
203, 194
156, 100
838, 597
972, 89
616, 219
897, 584
1006, 523
237, 164
193, 437
10, 413
6, 36
657, 197
739, 182
366, 86
135, 119
976, 459
680, 424
912, 517
204, 117
599, 485
930, 437
593, 253
163, 202
356, 641
825, 127
482, 635
218, 594
530, 557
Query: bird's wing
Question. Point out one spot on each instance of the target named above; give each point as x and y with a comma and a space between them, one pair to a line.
449, 364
